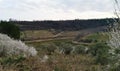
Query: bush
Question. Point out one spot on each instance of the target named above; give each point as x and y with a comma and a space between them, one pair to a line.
80, 49
100, 51
49, 48
10, 47
65, 48
10, 29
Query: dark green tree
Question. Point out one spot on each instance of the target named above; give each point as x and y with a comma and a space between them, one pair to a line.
10, 29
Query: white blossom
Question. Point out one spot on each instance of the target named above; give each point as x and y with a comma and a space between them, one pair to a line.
9, 46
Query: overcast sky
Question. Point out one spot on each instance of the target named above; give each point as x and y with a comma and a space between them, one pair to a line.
55, 9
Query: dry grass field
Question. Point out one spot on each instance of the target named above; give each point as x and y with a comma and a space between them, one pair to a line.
56, 55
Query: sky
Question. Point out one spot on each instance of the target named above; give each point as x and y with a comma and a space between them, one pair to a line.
55, 9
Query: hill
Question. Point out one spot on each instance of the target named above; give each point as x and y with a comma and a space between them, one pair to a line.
63, 29
62, 25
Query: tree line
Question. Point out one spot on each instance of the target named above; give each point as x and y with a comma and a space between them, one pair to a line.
63, 24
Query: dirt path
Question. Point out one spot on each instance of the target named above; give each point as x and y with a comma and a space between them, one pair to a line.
50, 39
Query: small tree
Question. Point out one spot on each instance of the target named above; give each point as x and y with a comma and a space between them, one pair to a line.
10, 29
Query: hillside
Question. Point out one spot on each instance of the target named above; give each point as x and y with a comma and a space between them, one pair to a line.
64, 29
62, 24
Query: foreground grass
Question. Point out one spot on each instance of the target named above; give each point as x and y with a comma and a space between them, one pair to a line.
49, 59
55, 63
63, 62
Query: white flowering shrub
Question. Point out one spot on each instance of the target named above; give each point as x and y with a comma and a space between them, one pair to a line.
9, 47
114, 44
114, 41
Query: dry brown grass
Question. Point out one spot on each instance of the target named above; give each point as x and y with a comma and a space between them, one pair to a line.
56, 62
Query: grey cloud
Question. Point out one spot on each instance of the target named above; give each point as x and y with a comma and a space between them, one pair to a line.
44, 8
80, 5
84, 5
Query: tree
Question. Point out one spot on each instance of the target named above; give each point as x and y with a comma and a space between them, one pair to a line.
10, 29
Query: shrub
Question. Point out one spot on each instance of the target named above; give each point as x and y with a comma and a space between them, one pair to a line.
80, 49
10, 47
100, 51
49, 48
114, 40
10, 29
65, 48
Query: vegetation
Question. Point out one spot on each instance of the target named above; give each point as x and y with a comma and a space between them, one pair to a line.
96, 37
68, 25
100, 51
69, 56
10, 47
90, 53
63, 55
10, 29
50, 58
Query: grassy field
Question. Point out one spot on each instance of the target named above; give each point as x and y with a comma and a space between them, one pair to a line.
45, 35
96, 36
68, 62
64, 62
54, 62
57, 55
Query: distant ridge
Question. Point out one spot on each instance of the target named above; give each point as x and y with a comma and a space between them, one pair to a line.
63, 24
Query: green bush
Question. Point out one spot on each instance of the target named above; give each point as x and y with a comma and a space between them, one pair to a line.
80, 49
65, 48
100, 51
10, 29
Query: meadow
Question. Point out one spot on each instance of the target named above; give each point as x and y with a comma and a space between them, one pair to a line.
58, 55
